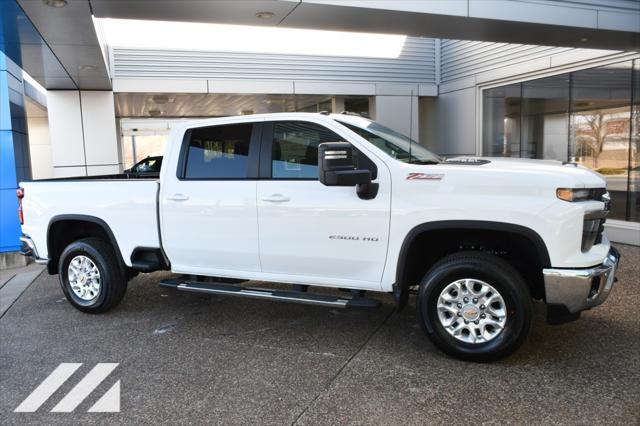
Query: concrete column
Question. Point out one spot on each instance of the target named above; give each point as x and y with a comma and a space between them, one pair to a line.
337, 104
555, 144
399, 113
82, 127
372, 107
40, 147
451, 118
15, 165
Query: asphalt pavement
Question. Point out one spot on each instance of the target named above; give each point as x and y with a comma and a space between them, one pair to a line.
194, 359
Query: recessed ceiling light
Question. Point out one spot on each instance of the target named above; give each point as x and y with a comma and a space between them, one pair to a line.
87, 67
584, 39
55, 3
264, 15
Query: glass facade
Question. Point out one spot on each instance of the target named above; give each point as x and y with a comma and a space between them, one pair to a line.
590, 116
138, 147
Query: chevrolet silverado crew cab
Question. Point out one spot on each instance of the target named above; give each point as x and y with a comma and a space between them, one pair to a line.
336, 201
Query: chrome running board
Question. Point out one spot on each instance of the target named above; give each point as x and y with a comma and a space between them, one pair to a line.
272, 294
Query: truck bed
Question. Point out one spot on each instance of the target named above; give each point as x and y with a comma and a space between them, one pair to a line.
120, 176
126, 203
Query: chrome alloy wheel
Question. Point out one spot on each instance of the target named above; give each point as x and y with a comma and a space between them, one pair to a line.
84, 278
472, 311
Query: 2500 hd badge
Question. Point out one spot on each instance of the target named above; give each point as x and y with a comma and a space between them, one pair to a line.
352, 238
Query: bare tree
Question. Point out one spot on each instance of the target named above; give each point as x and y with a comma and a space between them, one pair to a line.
598, 132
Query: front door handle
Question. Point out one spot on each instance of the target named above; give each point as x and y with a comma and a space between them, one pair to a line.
276, 198
178, 197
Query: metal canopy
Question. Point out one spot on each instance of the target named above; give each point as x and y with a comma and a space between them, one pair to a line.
60, 49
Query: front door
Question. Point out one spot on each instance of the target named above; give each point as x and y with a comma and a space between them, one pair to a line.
311, 233
209, 218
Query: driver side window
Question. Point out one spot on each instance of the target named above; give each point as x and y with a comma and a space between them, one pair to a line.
294, 152
295, 149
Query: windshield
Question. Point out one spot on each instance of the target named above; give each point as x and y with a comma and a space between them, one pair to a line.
393, 143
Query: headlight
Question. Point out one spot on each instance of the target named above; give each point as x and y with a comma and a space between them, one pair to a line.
581, 194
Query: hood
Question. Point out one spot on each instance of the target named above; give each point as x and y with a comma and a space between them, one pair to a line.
570, 175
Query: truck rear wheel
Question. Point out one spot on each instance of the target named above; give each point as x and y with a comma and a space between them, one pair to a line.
91, 276
475, 306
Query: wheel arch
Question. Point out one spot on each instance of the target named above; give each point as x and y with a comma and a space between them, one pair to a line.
487, 228
79, 226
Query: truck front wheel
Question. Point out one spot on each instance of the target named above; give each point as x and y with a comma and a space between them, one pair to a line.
475, 306
91, 277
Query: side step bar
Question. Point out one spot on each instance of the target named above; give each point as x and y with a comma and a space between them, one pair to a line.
272, 294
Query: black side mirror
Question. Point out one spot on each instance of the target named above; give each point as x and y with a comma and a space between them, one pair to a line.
335, 168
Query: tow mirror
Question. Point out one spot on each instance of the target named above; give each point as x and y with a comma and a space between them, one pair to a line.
336, 168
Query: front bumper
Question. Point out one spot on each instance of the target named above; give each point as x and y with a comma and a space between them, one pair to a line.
29, 249
574, 290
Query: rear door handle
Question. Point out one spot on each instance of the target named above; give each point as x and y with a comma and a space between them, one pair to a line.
178, 197
276, 198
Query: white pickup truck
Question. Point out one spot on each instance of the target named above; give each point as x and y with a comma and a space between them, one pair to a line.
336, 201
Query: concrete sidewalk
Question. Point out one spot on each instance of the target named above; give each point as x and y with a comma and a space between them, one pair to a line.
14, 281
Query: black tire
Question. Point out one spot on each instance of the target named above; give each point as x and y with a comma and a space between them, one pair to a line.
113, 282
491, 270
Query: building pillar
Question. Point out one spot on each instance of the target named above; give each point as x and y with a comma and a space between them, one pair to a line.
15, 165
399, 113
82, 127
337, 104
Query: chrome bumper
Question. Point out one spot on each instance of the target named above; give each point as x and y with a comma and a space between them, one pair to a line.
580, 289
29, 249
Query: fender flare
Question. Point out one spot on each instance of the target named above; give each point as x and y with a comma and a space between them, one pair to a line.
400, 288
51, 264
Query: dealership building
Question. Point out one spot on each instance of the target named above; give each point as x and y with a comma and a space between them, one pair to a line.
90, 87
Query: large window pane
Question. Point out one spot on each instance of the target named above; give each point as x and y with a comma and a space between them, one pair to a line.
545, 118
148, 146
589, 116
501, 121
633, 202
142, 138
600, 127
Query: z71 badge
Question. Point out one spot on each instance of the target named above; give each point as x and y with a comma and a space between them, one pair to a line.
424, 176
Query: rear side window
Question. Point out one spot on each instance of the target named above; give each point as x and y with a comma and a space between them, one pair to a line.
218, 152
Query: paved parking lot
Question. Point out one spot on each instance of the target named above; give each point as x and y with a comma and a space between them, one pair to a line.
188, 358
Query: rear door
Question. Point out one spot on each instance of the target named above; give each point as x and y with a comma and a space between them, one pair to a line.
313, 233
208, 201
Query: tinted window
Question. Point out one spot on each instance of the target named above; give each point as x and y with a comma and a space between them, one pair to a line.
148, 165
219, 152
295, 148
